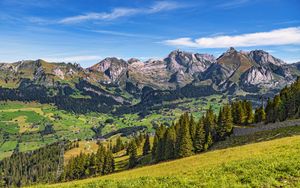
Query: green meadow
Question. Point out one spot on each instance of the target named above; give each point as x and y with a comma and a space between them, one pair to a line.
21, 123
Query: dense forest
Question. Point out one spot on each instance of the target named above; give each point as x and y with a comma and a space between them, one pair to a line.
188, 136
31, 167
60, 96
46, 165
285, 105
86, 165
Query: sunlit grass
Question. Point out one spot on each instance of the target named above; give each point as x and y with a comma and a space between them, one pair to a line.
266, 164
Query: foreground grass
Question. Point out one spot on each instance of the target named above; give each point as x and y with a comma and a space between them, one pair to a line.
273, 163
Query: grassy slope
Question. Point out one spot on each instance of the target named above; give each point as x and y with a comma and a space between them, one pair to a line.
264, 164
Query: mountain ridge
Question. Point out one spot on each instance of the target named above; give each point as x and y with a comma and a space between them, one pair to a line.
180, 74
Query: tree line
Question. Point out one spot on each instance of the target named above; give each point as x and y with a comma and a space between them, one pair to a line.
26, 168
41, 166
60, 95
87, 165
188, 136
285, 105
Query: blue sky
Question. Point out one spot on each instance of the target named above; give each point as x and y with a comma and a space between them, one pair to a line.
85, 31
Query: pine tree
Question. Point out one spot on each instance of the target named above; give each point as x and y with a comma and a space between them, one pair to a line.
228, 119
185, 144
93, 163
132, 154
249, 113
160, 145
170, 143
210, 122
109, 164
154, 147
146, 147
269, 111
199, 140
276, 106
100, 158
208, 141
260, 115
240, 113
119, 145
225, 122
221, 122
233, 108
192, 127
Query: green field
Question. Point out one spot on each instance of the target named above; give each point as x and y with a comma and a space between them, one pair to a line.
22, 123
266, 164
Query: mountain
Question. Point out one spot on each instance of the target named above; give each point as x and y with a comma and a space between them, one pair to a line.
247, 70
179, 75
297, 65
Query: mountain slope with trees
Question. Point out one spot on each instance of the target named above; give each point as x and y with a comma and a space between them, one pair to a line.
232, 167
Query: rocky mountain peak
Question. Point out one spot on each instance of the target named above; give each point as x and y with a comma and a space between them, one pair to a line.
264, 58
133, 60
109, 62
230, 53
231, 50
188, 62
112, 67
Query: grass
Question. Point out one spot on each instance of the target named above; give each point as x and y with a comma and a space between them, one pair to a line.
26, 120
266, 164
8, 146
84, 147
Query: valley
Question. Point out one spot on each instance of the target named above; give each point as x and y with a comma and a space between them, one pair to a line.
22, 124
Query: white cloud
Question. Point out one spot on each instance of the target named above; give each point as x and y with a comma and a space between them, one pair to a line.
233, 4
163, 6
116, 13
284, 36
73, 58
124, 34
121, 12
182, 42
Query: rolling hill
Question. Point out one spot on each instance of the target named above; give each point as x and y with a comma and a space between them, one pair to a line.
271, 163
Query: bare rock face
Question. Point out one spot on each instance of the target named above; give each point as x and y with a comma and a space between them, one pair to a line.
113, 68
59, 73
296, 65
152, 73
264, 58
257, 75
133, 60
188, 62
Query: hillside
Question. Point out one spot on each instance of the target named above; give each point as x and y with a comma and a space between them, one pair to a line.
269, 163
